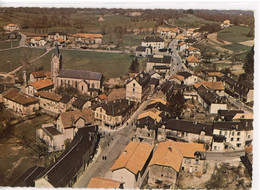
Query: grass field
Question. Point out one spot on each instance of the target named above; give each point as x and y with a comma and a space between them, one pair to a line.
7, 44
128, 39
192, 21
110, 64
235, 47
15, 158
206, 47
11, 59
234, 34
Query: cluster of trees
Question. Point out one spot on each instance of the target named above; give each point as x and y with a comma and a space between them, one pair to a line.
249, 62
236, 17
134, 67
210, 28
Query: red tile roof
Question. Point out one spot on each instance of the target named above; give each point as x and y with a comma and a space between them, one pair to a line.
38, 85
15, 96
133, 157
99, 182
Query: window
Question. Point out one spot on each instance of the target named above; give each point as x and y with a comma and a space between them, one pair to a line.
161, 175
133, 90
225, 132
220, 132
238, 139
100, 110
215, 147
238, 145
232, 139
248, 136
133, 84
238, 133
233, 133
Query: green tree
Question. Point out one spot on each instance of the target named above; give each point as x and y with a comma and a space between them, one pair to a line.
176, 104
134, 67
249, 62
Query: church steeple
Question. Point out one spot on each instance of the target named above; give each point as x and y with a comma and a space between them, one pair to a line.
56, 64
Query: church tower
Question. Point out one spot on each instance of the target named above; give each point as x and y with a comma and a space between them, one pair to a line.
56, 64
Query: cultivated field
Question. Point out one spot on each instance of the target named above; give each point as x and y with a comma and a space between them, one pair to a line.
192, 21
11, 59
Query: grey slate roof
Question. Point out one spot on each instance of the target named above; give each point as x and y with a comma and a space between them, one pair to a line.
153, 39
116, 107
142, 48
79, 103
208, 96
28, 177
189, 127
233, 125
165, 59
80, 74
66, 98
229, 114
71, 160
185, 74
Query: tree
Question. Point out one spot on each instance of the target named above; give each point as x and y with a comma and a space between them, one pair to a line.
249, 62
176, 104
134, 67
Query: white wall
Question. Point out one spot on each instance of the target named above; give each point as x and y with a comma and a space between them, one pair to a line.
126, 176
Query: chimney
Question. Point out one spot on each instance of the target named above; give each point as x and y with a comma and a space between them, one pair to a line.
24, 77
125, 151
170, 148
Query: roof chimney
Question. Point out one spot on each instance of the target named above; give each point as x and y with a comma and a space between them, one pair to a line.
170, 148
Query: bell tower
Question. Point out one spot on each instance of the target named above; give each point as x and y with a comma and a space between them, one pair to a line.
56, 64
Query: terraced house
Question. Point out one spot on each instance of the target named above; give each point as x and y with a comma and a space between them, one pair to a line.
113, 114
159, 63
170, 158
20, 103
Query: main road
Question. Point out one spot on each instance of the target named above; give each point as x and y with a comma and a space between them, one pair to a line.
112, 150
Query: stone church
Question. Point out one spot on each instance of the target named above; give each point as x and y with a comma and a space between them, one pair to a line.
87, 82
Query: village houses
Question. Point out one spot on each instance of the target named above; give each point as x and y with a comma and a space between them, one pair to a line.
39, 86
70, 165
49, 101
132, 165
168, 33
184, 77
114, 113
137, 88
159, 63
20, 103
170, 158
155, 42
12, 27
64, 128
210, 100
39, 75
99, 182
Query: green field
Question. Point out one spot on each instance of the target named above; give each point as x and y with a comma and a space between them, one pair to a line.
235, 47
128, 39
7, 44
11, 59
192, 21
205, 47
110, 64
234, 34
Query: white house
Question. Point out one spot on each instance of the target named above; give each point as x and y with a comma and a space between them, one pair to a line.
137, 87
210, 100
131, 166
155, 42
232, 135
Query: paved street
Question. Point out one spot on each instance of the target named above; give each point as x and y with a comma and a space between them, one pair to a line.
240, 105
121, 138
222, 156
